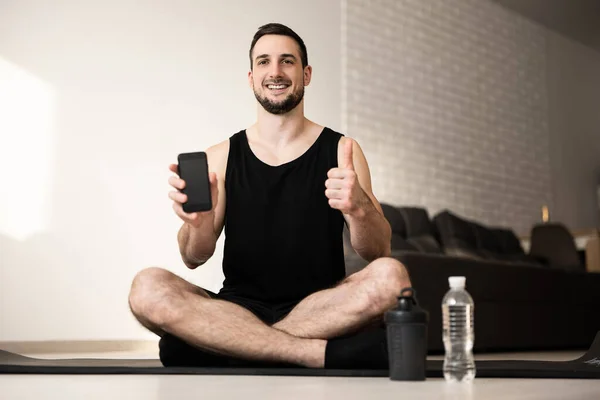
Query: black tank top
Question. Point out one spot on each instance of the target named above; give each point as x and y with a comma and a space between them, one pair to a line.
282, 239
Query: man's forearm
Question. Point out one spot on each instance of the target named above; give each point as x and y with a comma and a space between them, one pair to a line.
370, 233
196, 245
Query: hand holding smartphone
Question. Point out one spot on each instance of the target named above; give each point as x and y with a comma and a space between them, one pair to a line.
193, 169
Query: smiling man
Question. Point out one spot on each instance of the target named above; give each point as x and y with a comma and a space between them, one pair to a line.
282, 190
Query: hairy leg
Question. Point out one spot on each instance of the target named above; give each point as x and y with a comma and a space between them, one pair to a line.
167, 303
357, 302
145, 282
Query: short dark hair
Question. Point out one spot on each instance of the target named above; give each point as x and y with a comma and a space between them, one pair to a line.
279, 29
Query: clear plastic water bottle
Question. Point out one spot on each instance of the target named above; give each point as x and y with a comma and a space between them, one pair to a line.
458, 332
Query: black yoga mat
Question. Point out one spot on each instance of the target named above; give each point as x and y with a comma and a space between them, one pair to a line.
584, 367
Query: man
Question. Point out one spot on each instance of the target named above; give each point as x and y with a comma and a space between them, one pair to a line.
282, 190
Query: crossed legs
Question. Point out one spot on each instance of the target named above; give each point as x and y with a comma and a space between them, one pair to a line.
165, 303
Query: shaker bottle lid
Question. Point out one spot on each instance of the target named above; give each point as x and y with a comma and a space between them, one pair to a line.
457, 282
407, 310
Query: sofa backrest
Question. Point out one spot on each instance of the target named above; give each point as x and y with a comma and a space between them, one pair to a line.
448, 233
462, 237
419, 229
456, 235
411, 229
399, 229
509, 242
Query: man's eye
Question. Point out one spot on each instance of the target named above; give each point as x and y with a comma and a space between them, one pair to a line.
261, 62
288, 61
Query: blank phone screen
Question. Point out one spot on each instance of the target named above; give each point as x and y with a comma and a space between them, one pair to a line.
195, 174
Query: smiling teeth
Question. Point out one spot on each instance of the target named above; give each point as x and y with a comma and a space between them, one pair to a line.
276, 86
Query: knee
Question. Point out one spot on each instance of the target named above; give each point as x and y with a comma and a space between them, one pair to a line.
386, 277
152, 295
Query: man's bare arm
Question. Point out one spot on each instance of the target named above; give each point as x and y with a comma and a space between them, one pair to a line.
370, 232
200, 231
196, 245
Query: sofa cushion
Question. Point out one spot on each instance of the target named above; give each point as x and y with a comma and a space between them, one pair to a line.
399, 243
396, 221
411, 229
456, 234
416, 220
500, 244
395, 218
468, 239
509, 248
508, 241
486, 239
419, 229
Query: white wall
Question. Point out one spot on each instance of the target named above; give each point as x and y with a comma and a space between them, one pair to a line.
574, 105
96, 99
448, 98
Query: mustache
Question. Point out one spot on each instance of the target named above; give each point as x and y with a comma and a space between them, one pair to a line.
278, 82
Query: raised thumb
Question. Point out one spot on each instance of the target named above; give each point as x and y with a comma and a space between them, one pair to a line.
347, 161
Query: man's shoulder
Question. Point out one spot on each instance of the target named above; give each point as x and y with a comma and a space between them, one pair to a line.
338, 135
221, 149
217, 156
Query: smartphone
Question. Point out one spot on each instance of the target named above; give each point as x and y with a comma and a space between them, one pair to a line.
193, 169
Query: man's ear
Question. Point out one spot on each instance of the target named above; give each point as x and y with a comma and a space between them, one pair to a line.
307, 75
250, 78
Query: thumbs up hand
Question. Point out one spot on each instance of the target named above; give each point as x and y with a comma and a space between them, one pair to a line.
343, 189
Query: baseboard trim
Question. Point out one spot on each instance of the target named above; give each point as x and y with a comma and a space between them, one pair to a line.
78, 346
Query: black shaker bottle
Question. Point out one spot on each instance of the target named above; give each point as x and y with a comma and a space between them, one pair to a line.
406, 327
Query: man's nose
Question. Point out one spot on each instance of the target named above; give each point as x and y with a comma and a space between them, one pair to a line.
275, 70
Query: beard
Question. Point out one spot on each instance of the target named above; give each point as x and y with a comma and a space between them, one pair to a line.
280, 107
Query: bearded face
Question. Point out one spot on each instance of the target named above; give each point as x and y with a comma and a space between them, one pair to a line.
276, 98
277, 75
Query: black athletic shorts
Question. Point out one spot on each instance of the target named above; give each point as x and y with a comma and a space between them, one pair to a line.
269, 313
174, 352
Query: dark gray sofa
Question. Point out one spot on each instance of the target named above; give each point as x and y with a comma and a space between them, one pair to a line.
522, 302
